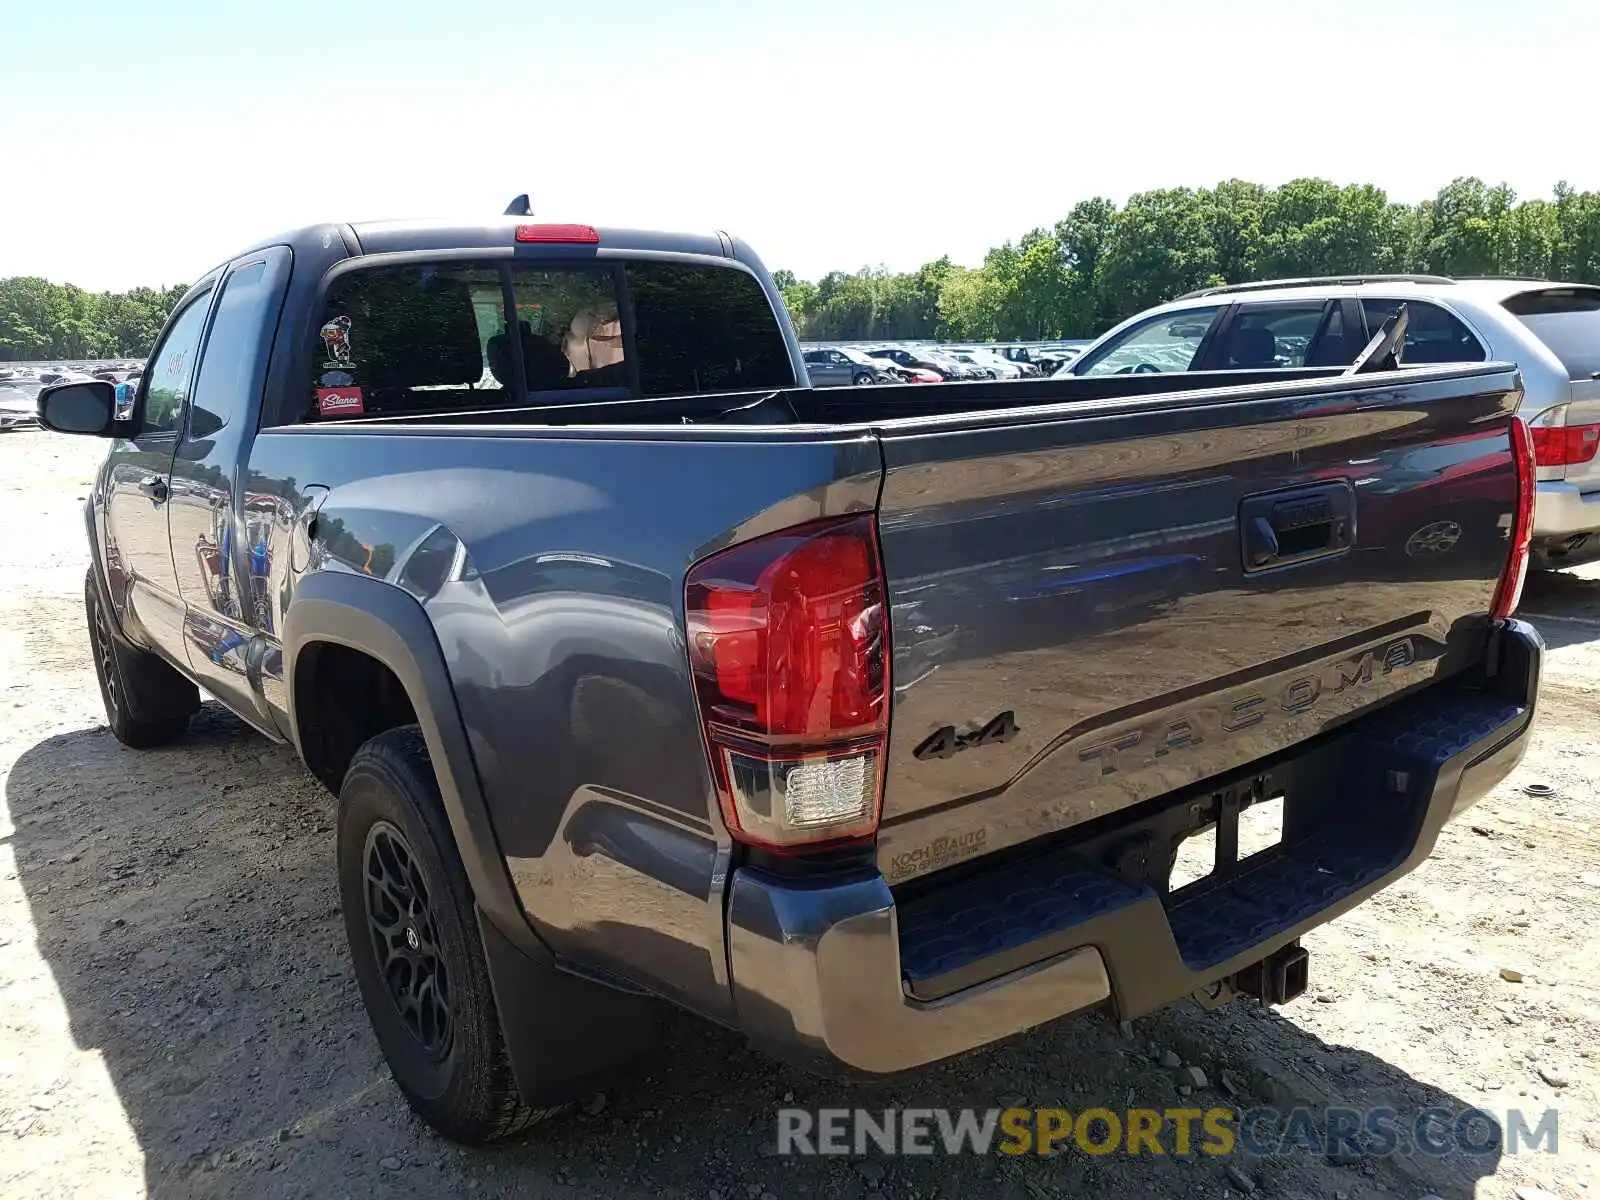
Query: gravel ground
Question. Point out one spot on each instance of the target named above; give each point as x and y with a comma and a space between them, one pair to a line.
177, 1015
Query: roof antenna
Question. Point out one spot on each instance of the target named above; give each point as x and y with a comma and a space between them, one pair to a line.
520, 207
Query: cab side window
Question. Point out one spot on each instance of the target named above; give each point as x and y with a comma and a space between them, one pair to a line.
233, 364
1433, 335
171, 371
1272, 336
1333, 347
1169, 342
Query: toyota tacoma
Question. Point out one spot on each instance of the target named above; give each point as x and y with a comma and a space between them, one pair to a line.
871, 726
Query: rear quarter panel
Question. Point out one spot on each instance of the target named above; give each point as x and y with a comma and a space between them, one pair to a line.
552, 566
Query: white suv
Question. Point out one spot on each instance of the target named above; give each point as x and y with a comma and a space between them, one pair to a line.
1551, 331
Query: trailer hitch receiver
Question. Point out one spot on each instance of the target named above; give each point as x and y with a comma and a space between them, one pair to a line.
1277, 979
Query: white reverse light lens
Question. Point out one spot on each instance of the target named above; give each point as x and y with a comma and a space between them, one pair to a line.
781, 802
830, 791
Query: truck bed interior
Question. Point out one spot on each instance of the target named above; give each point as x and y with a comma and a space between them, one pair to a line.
851, 406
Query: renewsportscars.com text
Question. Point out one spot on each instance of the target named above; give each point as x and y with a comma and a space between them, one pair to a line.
1259, 1132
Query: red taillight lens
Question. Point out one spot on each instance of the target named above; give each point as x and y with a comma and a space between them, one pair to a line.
1509, 594
574, 234
1565, 445
788, 643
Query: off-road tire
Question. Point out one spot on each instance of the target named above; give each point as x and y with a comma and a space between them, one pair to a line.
463, 1088
148, 703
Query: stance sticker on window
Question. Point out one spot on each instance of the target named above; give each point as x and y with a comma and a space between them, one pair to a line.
336, 337
339, 401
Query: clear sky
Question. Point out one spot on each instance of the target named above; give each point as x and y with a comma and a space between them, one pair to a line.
142, 142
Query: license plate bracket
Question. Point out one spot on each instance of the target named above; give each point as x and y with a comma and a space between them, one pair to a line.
1209, 828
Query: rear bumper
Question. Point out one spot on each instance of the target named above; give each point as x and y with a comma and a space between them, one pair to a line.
846, 972
1560, 509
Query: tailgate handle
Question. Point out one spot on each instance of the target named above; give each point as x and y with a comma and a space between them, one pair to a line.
1277, 529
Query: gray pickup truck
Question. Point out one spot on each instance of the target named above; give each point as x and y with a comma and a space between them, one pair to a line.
868, 722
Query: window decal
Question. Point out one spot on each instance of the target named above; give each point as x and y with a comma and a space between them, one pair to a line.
336, 337
339, 401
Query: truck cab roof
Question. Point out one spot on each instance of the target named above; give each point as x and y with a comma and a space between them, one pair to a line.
399, 236
420, 235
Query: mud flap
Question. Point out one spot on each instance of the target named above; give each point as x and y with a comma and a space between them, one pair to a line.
564, 1035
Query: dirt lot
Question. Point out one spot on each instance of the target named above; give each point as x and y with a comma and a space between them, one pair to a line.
177, 1016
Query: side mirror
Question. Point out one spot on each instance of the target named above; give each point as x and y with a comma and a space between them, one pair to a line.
89, 407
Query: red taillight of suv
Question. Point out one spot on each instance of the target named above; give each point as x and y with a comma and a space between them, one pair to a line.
1509, 593
789, 645
1565, 445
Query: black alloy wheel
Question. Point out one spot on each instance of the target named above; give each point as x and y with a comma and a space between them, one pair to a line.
401, 923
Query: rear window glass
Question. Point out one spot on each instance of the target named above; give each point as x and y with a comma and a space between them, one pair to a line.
1567, 320
704, 329
570, 329
399, 340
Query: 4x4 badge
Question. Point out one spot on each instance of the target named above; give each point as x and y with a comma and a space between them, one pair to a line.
947, 743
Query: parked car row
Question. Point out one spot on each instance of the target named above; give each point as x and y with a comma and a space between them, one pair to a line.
42, 374
17, 401
20, 384
875, 363
1549, 330
847, 366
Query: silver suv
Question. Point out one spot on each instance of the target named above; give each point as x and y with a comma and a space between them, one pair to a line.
1550, 330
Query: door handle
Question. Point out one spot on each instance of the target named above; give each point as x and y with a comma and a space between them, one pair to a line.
1280, 528
155, 487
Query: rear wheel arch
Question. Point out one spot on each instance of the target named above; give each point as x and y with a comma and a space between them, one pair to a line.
343, 697
558, 1029
350, 638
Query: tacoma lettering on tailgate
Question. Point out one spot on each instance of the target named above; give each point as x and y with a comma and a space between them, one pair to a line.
1297, 696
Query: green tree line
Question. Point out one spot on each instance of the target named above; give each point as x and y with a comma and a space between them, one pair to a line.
44, 320
1102, 263
1094, 267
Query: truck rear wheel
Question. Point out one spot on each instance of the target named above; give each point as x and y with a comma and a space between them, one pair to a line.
409, 917
147, 702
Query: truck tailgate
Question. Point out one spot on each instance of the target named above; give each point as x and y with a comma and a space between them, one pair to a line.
1097, 604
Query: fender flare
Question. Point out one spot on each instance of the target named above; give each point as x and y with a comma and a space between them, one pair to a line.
102, 584
388, 624
96, 565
